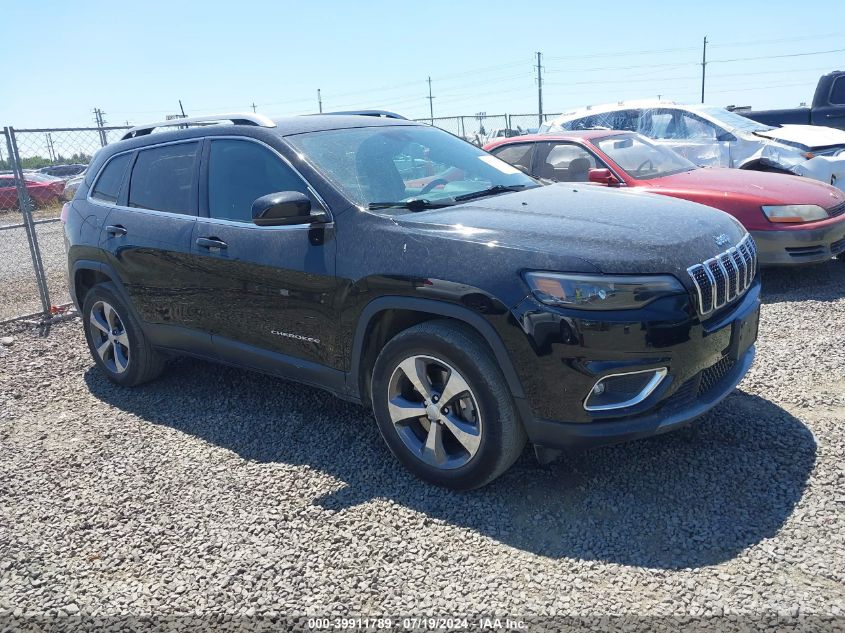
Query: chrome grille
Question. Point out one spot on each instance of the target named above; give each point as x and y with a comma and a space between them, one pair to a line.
723, 278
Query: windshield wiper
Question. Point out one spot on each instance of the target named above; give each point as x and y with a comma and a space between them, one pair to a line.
491, 191
414, 204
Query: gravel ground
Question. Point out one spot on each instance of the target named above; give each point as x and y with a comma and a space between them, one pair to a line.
18, 287
215, 492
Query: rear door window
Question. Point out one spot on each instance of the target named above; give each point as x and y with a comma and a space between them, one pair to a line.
108, 184
164, 178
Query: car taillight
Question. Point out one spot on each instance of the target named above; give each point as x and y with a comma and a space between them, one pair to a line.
65, 211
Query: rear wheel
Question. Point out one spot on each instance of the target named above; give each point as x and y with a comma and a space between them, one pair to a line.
443, 406
117, 343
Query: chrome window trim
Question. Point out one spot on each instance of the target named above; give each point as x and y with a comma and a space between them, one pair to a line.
172, 214
659, 374
103, 203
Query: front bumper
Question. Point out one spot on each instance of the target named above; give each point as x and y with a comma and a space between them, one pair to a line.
694, 399
705, 361
800, 246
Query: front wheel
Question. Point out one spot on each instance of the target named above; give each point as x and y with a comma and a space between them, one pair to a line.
117, 343
443, 406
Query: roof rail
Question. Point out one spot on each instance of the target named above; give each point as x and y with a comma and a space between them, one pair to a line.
377, 113
237, 118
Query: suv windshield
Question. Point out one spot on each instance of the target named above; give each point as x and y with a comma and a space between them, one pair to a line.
642, 159
406, 166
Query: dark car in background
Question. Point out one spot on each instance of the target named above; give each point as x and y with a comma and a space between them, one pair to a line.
471, 313
793, 220
827, 108
63, 171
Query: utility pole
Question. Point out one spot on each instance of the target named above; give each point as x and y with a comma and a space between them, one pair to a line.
703, 67
254, 106
319, 101
430, 102
98, 116
540, 88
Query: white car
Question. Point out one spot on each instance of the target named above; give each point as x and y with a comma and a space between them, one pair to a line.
714, 136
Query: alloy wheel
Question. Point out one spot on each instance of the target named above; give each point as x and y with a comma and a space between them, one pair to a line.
434, 412
109, 337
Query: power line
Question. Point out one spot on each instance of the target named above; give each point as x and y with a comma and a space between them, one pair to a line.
749, 59
616, 54
777, 40
636, 67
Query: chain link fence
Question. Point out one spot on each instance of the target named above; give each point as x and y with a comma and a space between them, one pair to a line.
482, 128
39, 171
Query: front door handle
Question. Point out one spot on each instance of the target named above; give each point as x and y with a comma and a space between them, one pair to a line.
211, 242
115, 229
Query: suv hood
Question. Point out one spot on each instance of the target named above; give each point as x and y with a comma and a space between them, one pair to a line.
611, 231
809, 136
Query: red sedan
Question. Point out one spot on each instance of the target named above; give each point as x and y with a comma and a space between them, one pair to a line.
42, 193
793, 220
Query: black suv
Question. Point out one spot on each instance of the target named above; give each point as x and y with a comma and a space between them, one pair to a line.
400, 267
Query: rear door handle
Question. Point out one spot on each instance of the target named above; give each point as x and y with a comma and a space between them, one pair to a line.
211, 242
115, 229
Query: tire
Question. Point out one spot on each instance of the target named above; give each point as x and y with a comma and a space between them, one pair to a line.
127, 357
445, 356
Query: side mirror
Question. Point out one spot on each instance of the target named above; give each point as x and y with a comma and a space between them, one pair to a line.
603, 177
282, 208
726, 137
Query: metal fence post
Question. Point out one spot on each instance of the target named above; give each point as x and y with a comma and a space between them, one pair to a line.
27, 207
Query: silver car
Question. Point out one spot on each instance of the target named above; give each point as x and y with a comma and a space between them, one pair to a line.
714, 136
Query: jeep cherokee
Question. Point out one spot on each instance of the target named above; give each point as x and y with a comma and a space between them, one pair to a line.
400, 267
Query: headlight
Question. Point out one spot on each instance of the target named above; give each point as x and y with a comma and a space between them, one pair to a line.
601, 292
794, 213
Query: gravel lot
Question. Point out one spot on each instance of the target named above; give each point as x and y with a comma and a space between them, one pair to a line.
217, 492
18, 288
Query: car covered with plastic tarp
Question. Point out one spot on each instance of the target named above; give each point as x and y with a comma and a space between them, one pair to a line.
714, 136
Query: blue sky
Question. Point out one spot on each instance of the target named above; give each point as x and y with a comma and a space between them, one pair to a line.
135, 60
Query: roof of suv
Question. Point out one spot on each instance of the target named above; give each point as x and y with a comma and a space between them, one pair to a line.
283, 126
318, 122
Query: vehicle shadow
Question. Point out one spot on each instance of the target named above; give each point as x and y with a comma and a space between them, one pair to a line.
695, 497
817, 282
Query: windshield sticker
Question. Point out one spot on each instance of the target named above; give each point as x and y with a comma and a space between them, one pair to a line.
499, 164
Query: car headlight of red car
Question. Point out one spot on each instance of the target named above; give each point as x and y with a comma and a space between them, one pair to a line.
794, 213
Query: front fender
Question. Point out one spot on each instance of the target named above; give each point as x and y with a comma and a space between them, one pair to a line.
435, 307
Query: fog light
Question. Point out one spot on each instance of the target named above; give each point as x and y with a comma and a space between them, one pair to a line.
618, 391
